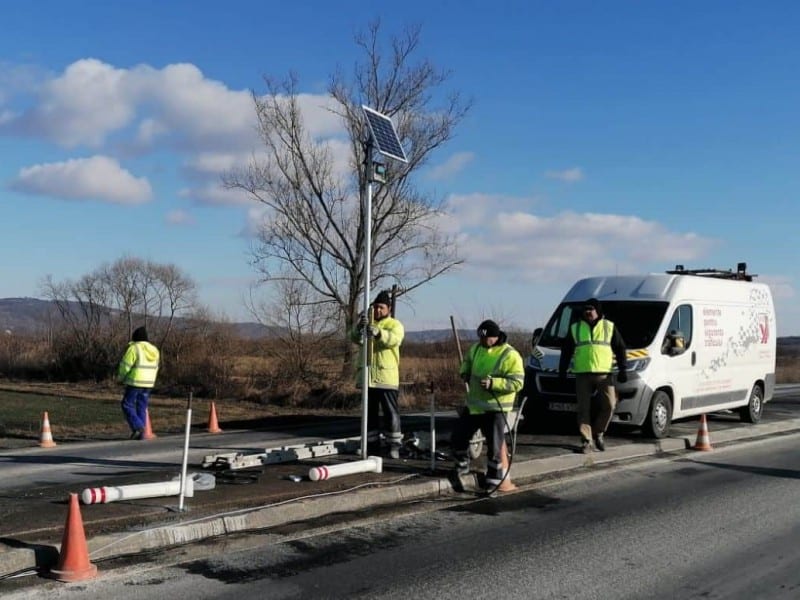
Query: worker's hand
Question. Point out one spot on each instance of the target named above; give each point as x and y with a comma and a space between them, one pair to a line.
622, 377
486, 383
363, 321
374, 331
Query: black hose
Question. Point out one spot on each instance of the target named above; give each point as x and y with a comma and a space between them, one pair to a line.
513, 435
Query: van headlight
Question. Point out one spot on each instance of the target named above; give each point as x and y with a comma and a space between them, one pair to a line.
534, 363
638, 364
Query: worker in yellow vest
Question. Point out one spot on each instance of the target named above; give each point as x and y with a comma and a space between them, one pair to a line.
494, 373
137, 371
384, 337
594, 342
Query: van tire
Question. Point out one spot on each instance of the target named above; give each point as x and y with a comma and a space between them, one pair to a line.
755, 406
659, 417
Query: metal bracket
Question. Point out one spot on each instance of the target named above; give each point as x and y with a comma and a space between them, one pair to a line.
238, 460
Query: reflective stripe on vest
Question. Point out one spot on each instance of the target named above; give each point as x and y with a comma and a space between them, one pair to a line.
143, 374
487, 401
593, 352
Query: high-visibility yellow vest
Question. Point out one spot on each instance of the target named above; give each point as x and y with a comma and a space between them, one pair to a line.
383, 355
139, 365
504, 365
593, 352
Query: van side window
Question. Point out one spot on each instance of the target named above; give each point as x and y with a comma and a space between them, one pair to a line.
679, 333
562, 325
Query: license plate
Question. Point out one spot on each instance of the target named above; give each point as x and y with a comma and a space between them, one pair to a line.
562, 406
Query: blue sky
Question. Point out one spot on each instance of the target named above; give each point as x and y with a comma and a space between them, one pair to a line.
606, 137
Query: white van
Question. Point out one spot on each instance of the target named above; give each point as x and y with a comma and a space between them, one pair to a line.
698, 341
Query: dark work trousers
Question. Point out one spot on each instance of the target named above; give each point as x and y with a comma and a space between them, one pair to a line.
493, 427
134, 407
585, 385
385, 401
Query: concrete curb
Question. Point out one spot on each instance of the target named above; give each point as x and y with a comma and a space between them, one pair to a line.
39, 556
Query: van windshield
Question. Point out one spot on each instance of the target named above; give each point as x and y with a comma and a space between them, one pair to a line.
637, 322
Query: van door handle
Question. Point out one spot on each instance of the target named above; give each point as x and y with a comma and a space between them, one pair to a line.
694, 357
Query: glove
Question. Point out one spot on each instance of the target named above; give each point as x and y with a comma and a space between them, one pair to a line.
486, 383
374, 331
622, 377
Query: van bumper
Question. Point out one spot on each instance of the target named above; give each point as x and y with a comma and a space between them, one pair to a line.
548, 394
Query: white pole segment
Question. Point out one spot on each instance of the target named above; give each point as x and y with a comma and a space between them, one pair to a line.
185, 451
373, 464
104, 495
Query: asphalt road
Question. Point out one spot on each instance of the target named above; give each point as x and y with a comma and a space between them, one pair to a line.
91, 462
708, 525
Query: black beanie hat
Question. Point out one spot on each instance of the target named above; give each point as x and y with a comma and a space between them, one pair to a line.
383, 298
140, 334
488, 329
594, 302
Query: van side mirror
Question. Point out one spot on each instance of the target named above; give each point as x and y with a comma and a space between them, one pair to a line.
674, 343
537, 333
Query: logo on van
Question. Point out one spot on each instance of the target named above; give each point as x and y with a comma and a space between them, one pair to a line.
763, 328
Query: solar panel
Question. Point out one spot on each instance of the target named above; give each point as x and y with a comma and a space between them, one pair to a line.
384, 135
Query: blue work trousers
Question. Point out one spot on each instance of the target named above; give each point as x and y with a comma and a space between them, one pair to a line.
134, 407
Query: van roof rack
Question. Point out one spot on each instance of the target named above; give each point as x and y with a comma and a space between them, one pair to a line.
739, 274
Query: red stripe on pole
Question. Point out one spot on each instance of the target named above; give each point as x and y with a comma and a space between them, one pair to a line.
103, 494
324, 472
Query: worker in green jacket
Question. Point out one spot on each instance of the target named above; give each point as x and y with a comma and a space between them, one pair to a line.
385, 335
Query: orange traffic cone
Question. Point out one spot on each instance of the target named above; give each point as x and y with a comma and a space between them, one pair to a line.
703, 440
46, 438
73, 560
506, 485
213, 426
147, 434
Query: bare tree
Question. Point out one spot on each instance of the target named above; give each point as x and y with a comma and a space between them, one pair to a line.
313, 231
99, 311
298, 324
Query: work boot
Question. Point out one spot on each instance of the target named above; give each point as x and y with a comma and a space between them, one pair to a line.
586, 447
462, 467
600, 442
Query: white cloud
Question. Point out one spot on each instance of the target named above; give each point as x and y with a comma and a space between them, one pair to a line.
494, 240
214, 163
82, 106
97, 178
179, 217
452, 166
256, 218
567, 175
212, 193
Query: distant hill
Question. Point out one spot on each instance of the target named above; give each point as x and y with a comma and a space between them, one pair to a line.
24, 315
32, 315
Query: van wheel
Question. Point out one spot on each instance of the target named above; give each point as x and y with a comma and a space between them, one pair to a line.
755, 406
659, 416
